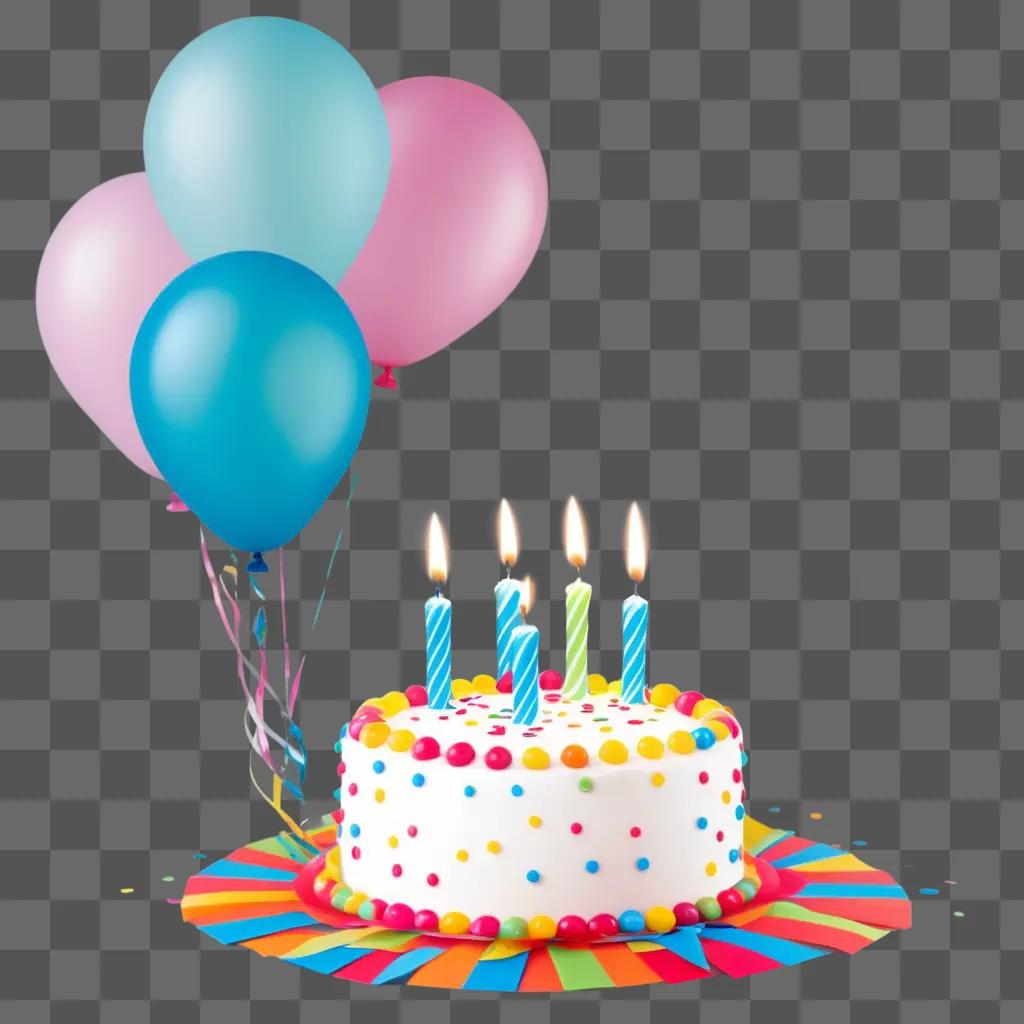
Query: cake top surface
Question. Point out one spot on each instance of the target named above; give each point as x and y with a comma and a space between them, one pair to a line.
601, 728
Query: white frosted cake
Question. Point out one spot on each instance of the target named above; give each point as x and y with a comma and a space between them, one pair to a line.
599, 818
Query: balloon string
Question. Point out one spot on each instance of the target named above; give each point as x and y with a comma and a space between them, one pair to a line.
353, 481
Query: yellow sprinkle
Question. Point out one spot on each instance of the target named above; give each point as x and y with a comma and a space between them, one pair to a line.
711, 870
650, 747
562, 714
682, 743
816, 815
534, 821
453, 923
657, 779
394, 701
664, 694
485, 684
378, 795
462, 855
726, 797
536, 758
393, 842
471, 721
596, 683
461, 687
127, 891
373, 734
606, 728
660, 919
494, 846
613, 751
541, 927
401, 740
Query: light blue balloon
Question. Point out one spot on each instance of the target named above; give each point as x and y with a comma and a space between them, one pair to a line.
266, 134
250, 384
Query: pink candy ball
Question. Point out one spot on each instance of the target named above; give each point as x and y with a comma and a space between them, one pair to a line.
550, 680
498, 758
505, 683
425, 921
399, 916
602, 925
686, 914
460, 754
486, 927
426, 748
572, 928
685, 701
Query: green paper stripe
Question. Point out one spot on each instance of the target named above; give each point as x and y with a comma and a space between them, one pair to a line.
795, 912
385, 940
578, 968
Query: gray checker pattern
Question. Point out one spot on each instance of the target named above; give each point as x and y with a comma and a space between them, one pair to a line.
780, 300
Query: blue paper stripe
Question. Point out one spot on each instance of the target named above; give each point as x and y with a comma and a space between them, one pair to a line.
255, 927
234, 869
781, 950
497, 975
822, 890
329, 961
401, 967
685, 942
819, 851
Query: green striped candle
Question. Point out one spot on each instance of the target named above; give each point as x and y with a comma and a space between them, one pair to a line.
577, 606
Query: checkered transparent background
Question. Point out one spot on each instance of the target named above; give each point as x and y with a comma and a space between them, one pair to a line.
779, 301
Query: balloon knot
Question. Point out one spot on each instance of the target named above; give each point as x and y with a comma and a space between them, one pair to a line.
176, 504
385, 380
256, 563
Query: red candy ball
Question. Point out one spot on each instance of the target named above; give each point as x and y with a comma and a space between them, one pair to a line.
602, 925
460, 754
425, 921
485, 927
729, 900
686, 914
498, 758
417, 695
550, 680
505, 683
685, 701
399, 916
379, 907
572, 928
355, 727
426, 748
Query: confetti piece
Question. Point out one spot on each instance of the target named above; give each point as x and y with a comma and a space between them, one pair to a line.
949, 881
958, 913
816, 815
127, 891
167, 878
928, 892
173, 900
774, 810
199, 856
860, 842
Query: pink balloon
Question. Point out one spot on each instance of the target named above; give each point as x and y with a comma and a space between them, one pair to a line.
104, 265
462, 218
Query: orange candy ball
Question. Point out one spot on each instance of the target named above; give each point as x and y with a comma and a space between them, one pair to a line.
574, 756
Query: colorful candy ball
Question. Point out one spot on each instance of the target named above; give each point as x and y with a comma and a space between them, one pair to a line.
572, 928
417, 695
505, 683
687, 700
550, 680
426, 748
602, 925
686, 914
460, 754
498, 758
425, 921
399, 916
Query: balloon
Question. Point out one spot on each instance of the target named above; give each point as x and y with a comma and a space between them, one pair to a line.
108, 259
264, 133
462, 218
251, 384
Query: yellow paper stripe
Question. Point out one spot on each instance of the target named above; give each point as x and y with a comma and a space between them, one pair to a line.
502, 949
219, 899
844, 862
319, 943
644, 946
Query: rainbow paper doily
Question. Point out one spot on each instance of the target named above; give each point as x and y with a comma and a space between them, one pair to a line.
814, 900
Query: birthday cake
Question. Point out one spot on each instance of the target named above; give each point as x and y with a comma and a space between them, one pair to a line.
600, 817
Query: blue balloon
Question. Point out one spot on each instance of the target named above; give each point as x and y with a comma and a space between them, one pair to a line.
250, 384
264, 133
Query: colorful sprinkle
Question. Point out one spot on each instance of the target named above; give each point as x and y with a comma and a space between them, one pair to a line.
517, 790
493, 846
592, 867
533, 876
774, 810
393, 842
734, 855
635, 832
413, 831
396, 870
127, 891
378, 767
726, 797
575, 828
470, 791
816, 815
378, 795
657, 779
702, 823
418, 780
711, 869
356, 853
740, 812
462, 855
432, 879
354, 830
642, 864
928, 892
534, 821
586, 785
703, 778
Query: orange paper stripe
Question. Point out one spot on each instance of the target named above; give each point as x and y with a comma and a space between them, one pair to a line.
281, 943
622, 965
451, 968
539, 974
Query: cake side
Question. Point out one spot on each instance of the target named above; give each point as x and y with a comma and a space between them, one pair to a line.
597, 811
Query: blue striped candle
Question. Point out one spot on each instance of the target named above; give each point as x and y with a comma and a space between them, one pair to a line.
634, 649
506, 600
525, 675
439, 651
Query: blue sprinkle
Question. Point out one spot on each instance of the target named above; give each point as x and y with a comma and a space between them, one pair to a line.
734, 855
344, 732
354, 830
533, 875
631, 921
774, 810
341, 830
703, 737
517, 790
928, 892
337, 793
378, 766
592, 867
744, 760
418, 780
337, 747
702, 823
642, 864
740, 812
199, 856
470, 791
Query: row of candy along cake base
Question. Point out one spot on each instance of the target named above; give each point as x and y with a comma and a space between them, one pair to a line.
369, 726
330, 889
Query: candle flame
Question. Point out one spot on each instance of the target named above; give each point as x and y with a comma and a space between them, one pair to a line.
508, 535
437, 551
526, 595
636, 544
575, 534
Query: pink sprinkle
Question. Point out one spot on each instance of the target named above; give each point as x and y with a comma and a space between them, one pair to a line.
552, 698
396, 870
413, 831
635, 721
635, 832
575, 828
432, 879
736, 775
171, 900
719, 836
356, 853
341, 769
461, 711
703, 777
352, 789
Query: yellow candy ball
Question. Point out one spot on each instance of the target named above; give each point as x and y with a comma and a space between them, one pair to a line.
720, 729
536, 758
702, 707
485, 684
664, 694
461, 688
453, 923
332, 863
401, 740
613, 751
650, 747
372, 702
354, 902
393, 701
373, 734
615, 686
682, 743
596, 683
660, 919
541, 927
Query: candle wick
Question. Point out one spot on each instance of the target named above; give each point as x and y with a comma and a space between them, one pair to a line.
508, 570
437, 589
636, 588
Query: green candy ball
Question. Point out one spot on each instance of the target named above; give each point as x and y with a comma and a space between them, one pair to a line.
709, 908
747, 888
341, 894
513, 928
366, 909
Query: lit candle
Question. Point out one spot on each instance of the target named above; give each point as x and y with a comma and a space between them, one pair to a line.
438, 610
525, 650
506, 593
577, 606
634, 613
